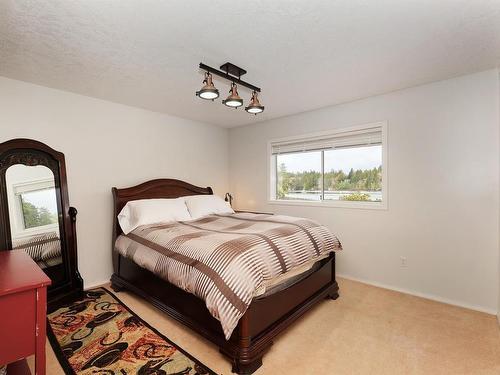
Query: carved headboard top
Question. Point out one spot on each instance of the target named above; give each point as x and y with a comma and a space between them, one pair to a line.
159, 188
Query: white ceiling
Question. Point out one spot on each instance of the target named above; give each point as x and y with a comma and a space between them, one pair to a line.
304, 54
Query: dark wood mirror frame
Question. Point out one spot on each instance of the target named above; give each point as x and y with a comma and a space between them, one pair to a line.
31, 153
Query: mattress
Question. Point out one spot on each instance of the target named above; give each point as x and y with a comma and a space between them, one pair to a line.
287, 279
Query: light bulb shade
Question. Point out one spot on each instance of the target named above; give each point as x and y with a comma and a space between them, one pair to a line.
254, 106
233, 100
208, 91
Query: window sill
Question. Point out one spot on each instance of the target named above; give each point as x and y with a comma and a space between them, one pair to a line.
337, 204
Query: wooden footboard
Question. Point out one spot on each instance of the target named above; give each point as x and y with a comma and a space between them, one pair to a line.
264, 319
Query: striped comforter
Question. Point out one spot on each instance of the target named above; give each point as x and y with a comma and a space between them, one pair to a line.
42, 248
224, 259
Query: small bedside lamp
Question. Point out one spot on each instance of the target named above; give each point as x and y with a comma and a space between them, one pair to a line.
229, 198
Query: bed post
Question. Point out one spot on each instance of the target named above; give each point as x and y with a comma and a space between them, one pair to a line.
115, 255
334, 290
245, 360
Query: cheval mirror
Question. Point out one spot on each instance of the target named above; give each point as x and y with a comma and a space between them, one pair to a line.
35, 214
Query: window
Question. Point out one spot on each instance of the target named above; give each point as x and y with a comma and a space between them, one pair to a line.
299, 176
341, 168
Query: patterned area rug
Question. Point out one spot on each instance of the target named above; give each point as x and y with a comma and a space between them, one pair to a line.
100, 335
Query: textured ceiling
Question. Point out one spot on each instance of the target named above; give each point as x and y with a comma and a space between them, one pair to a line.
304, 54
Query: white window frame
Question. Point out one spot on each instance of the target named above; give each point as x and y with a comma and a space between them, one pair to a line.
271, 171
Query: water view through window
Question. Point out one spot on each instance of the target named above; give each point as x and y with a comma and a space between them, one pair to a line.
343, 174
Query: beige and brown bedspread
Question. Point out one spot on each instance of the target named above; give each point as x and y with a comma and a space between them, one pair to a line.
224, 259
44, 248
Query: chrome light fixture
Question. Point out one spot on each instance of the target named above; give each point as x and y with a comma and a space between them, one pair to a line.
233, 100
254, 106
233, 74
208, 91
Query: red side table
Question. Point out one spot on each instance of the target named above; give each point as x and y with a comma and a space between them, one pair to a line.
23, 306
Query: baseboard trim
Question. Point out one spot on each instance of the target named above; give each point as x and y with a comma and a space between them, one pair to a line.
383, 286
422, 295
95, 284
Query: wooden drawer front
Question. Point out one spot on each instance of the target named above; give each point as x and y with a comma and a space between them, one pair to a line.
17, 325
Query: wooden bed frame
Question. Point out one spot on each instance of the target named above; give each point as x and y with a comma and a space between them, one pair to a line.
265, 318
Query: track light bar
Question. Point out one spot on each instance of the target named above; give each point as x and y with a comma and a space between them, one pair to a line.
230, 72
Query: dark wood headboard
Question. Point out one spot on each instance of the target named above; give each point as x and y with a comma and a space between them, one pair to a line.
160, 188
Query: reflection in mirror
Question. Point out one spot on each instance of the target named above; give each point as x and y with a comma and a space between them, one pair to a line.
33, 213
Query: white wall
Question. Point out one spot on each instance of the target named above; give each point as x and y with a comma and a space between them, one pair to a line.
108, 145
443, 139
443, 182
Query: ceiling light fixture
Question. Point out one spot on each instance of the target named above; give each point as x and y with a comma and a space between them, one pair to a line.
254, 106
208, 91
232, 73
233, 100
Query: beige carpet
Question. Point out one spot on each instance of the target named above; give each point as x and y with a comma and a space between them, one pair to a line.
368, 330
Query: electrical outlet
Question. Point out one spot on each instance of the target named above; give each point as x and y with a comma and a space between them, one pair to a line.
403, 262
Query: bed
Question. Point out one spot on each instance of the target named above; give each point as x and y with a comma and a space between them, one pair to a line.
267, 314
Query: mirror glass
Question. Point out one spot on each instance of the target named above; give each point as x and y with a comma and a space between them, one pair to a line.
34, 215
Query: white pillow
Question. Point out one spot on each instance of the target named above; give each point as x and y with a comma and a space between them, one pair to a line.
150, 211
203, 205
